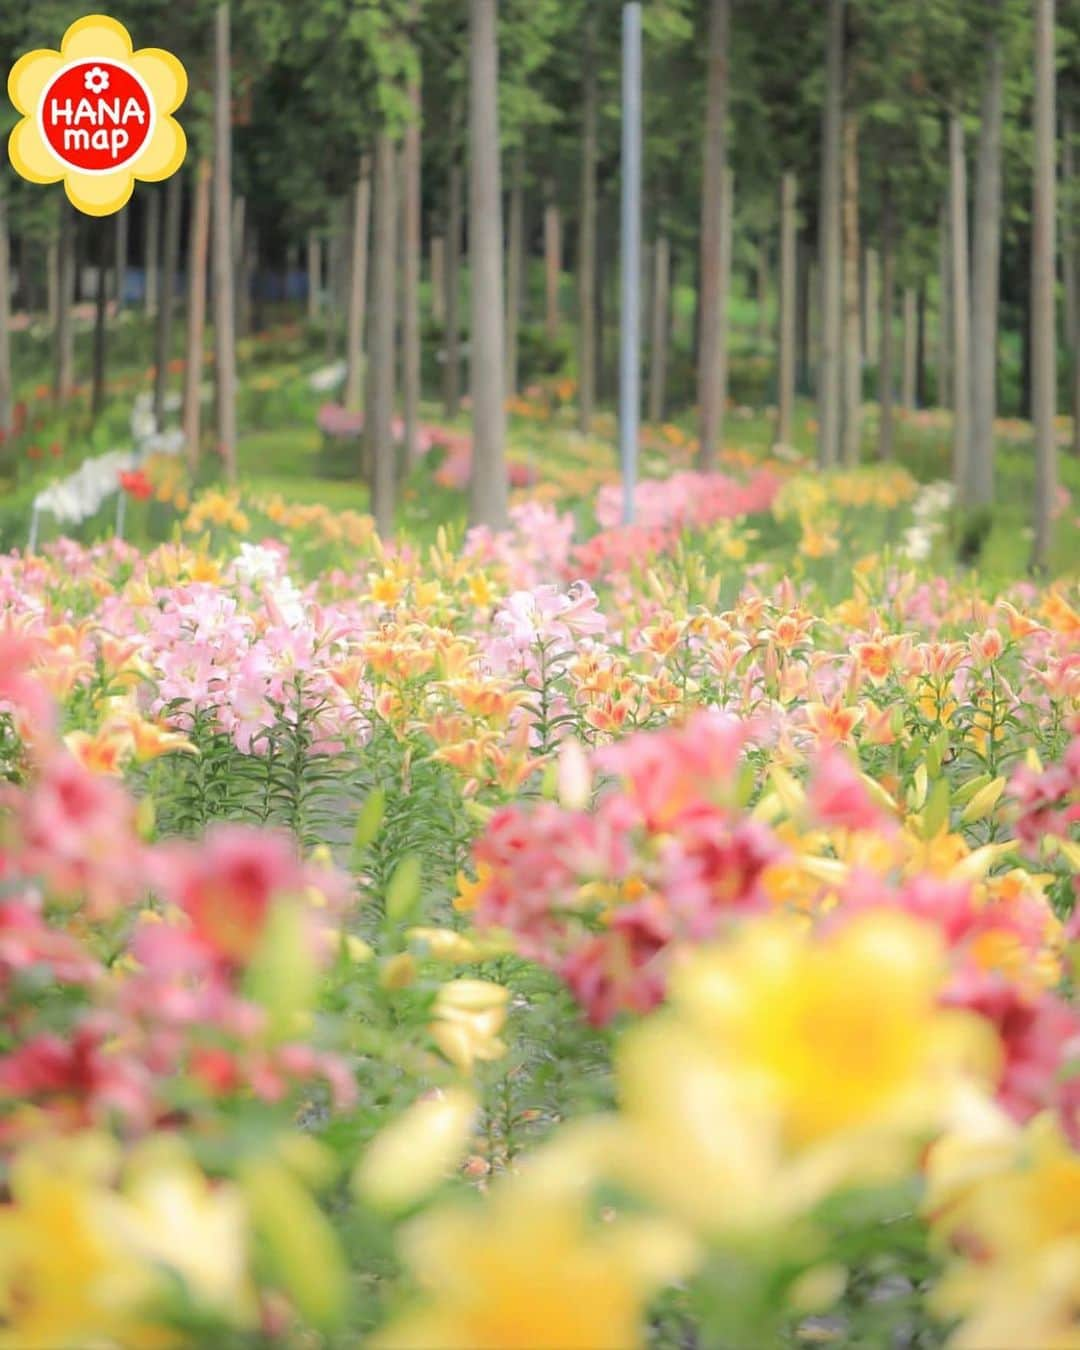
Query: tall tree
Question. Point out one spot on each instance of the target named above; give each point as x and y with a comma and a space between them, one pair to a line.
198, 249
101, 306
829, 379
661, 326
224, 288
170, 258
712, 299
381, 330
488, 482
123, 221
587, 288
452, 353
986, 265
789, 227
552, 264
151, 244
909, 349
1070, 248
871, 305
944, 311
65, 300
959, 305
515, 266
1043, 328
438, 278
314, 274
851, 427
887, 348
358, 269
410, 264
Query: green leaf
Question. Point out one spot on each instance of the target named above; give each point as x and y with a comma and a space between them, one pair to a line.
370, 819
936, 815
298, 1241
403, 891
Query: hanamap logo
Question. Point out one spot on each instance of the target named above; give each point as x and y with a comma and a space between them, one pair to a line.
96, 114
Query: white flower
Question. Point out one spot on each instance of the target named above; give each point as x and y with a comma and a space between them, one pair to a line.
327, 377
918, 541
96, 80
257, 563
289, 601
78, 497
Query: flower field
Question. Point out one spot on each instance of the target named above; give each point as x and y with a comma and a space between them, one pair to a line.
572, 936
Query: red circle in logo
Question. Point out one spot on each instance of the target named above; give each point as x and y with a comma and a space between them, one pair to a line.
96, 116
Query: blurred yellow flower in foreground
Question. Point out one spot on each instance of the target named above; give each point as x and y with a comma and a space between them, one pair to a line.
1005, 1203
530, 1268
82, 1263
790, 1065
63, 1278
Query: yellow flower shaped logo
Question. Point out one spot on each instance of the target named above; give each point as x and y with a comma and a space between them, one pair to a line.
97, 114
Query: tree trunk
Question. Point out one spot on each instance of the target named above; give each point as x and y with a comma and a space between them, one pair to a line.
239, 221
887, 350
1043, 334
587, 239
379, 412
852, 428
907, 375
52, 281
944, 312
150, 251
169, 262
224, 287
552, 268
816, 322
488, 485
354, 340
804, 267
986, 265
198, 242
410, 277
438, 278
712, 318
1070, 247
101, 304
314, 274
65, 296
515, 267
6, 387
871, 305
727, 250
249, 312
661, 323
785, 382
603, 275
920, 350
762, 292
123, 220
452, 366
337, 281
829, 240
960, 304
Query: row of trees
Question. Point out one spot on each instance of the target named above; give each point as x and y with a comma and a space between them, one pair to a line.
878, 168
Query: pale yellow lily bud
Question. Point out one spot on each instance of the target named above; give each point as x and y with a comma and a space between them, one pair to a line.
412, 1155
983, 802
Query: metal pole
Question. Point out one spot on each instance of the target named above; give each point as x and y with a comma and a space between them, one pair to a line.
630, 344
